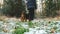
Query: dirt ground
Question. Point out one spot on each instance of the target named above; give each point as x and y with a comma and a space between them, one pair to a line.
57, 18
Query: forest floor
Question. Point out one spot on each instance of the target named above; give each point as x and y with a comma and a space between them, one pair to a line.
57, 18
42, 24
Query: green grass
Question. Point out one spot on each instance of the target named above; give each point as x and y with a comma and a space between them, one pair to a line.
20, 30
30, 24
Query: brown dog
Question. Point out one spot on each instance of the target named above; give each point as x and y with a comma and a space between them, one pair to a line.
23, 16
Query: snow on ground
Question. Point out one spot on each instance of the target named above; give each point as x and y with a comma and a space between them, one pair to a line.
41, 26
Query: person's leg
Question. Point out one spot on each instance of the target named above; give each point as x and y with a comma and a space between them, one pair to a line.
27, 16
31, 14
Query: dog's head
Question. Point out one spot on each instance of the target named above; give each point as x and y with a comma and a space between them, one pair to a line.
23, 14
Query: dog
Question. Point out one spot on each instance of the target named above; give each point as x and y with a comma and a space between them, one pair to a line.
23, 16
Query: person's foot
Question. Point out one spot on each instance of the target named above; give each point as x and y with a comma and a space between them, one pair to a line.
30, 19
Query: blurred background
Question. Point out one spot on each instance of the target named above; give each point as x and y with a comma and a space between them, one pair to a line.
47, 13
45, 8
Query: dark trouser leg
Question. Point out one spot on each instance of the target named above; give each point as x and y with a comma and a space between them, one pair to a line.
27, 16
31, 14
